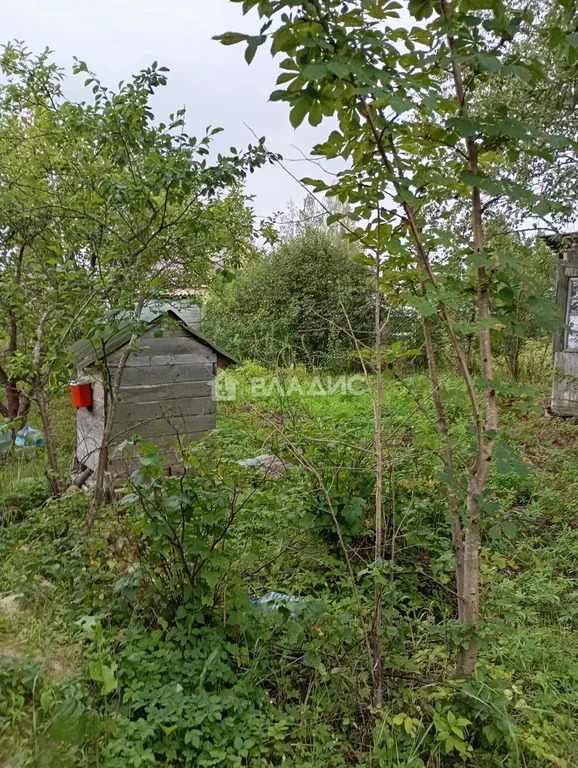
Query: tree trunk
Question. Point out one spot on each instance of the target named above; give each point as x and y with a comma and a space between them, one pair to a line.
478, 473
470, 588
40, 377
377, 643
17, 402
53, 473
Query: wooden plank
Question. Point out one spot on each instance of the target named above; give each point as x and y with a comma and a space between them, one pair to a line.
161, 374
149, 393
98, 396
172, 345
88, 450
137, 412
559, 340
177, 332
123, 468
146, 360
176, 425
91, 374
158, 345
564, 401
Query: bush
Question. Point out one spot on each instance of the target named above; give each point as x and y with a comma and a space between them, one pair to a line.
297, 304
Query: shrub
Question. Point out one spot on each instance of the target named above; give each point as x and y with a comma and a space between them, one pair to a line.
296, 304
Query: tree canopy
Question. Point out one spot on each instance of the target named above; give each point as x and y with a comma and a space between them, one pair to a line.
308, 301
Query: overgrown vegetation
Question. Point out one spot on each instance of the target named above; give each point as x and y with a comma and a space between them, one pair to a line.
308, 301
398, 588
140, 643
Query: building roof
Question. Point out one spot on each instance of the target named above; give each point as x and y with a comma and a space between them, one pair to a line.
559, 242
86, 352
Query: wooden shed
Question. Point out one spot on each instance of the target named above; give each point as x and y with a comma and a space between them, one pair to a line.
166, 390
564, 399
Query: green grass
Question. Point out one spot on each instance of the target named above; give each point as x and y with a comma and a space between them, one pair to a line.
522, 703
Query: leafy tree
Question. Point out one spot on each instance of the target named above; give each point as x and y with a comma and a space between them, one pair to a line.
307, 301
546, 102
102, 208
417, 144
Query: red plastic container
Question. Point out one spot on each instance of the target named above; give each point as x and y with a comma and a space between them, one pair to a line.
81, 393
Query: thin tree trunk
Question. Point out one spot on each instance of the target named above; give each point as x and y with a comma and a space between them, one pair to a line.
478, 473
53, 474
41, 400
14, 394
377, 643
485, 428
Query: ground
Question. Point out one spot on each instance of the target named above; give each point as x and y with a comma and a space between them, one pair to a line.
95, 671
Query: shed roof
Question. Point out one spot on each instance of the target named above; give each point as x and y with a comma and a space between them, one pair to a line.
87, 351
559, 243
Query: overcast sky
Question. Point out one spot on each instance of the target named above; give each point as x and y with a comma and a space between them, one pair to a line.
119, 37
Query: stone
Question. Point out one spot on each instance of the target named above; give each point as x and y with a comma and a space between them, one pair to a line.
267, 464
9, 604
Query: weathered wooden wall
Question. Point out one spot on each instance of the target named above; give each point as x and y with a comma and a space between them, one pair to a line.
564, 398
565, 388
165, 397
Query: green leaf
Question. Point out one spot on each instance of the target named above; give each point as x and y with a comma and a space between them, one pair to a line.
68, 723
315, 115
542, 208
230, 38
420, 9
463, 126
211, 578
400, 105
98, 636
488, 62
109, 681
483, 182
507, 462
279, 96
338, 68
423, 306
102, 673
462, 722
519, 71
316, 71
46, 701
299, 111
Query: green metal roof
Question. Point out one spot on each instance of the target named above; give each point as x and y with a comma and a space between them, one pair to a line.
86, 352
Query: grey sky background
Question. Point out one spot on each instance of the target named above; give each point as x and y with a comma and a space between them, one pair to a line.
119, 37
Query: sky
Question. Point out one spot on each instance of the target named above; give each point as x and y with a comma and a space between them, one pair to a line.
117, 38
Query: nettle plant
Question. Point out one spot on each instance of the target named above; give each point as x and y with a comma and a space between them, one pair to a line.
398, 83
